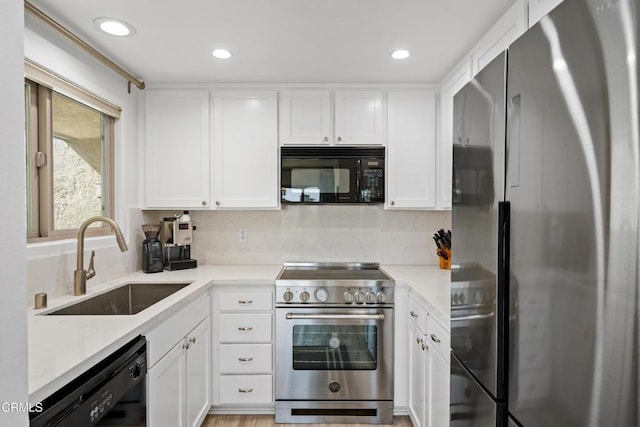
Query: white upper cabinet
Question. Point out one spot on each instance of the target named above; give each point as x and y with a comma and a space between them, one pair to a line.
305, 117
539, 8
453, 83
245, 155
508, 28
177, 148
411, 150
359, 118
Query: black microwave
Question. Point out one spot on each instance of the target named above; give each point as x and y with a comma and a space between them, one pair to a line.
316, 175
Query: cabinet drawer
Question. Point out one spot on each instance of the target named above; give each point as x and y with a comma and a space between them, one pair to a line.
439, 338
245, 301
245, 358
418, 314
245, 389
241, 328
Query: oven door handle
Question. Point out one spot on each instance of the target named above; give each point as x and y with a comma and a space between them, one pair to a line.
473, 317
335, 316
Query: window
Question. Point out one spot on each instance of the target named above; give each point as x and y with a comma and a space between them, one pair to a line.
69, 161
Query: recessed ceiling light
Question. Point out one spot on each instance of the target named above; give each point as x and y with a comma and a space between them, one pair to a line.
222, 54
400, 54
115, 27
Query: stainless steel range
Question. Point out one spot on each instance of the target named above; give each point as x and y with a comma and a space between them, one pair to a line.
334, 339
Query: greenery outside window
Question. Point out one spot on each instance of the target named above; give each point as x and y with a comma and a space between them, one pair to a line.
69, 161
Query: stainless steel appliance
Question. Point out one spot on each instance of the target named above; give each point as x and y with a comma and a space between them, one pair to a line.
314, 175
176, 237
112, 393
334, 338
546, 201
152, 257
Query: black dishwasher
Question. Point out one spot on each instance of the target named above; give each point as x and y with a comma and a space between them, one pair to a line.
111, 393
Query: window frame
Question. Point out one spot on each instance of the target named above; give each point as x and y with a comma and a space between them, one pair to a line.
39, 124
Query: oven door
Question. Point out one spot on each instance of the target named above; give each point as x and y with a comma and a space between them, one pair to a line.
335, 353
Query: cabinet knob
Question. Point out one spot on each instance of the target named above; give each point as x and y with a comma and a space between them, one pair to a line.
338, 139
325, 139
185, 346
392, 203
192, 340
435, 338
419, 340
425, 347
204, 203
217, 202
413, 314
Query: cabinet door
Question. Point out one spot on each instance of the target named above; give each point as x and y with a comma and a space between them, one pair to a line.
359, 118
439, 380
246, 150
411, 150
508, 28
539, 8
177, 148
305, 117
198, 374
417, 376
165, 389
449, 132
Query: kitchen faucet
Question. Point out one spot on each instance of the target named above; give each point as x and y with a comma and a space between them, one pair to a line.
80, 276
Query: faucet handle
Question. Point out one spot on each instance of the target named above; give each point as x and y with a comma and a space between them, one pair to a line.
91, 271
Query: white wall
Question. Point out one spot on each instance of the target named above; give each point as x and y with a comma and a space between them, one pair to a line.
315, 233
51, 265
13, 333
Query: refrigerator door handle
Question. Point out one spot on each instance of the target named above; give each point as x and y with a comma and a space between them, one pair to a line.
502, 301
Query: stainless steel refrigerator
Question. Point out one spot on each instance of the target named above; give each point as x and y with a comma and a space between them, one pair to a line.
545, 326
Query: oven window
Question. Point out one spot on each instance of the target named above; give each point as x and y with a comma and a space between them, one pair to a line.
335, 347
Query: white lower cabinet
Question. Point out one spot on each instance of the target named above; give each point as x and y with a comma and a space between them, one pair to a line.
242, 348
178, 380
429, 368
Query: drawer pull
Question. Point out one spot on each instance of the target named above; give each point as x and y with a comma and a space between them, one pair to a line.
245, 301
435, 338
245, 390
245, 359
245, 328
413, 314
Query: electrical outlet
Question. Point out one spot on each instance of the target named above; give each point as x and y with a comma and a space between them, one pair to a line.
243, 235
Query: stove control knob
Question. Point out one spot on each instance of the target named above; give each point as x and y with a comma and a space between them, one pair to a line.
287, 296
359, 297
321, 294
461, 298
348, 297
370, 298
382, 297
479, 296
304, 297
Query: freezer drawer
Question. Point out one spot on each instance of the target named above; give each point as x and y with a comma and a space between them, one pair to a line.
470, 405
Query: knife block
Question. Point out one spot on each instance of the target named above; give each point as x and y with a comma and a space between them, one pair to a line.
445, 264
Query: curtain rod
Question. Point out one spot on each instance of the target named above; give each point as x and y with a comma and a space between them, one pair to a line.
45, 19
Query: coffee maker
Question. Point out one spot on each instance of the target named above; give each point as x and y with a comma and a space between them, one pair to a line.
152, 256
176, 237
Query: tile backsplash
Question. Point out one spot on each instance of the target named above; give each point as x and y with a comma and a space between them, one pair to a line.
314, 233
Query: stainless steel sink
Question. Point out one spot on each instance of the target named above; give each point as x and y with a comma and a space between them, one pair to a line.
128, 299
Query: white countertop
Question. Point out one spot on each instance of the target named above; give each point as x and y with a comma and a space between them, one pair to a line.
430, 283
62, 347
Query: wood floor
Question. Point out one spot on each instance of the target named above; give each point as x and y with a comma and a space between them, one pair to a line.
269, 421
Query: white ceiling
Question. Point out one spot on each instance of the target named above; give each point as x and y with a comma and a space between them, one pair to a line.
296, 41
